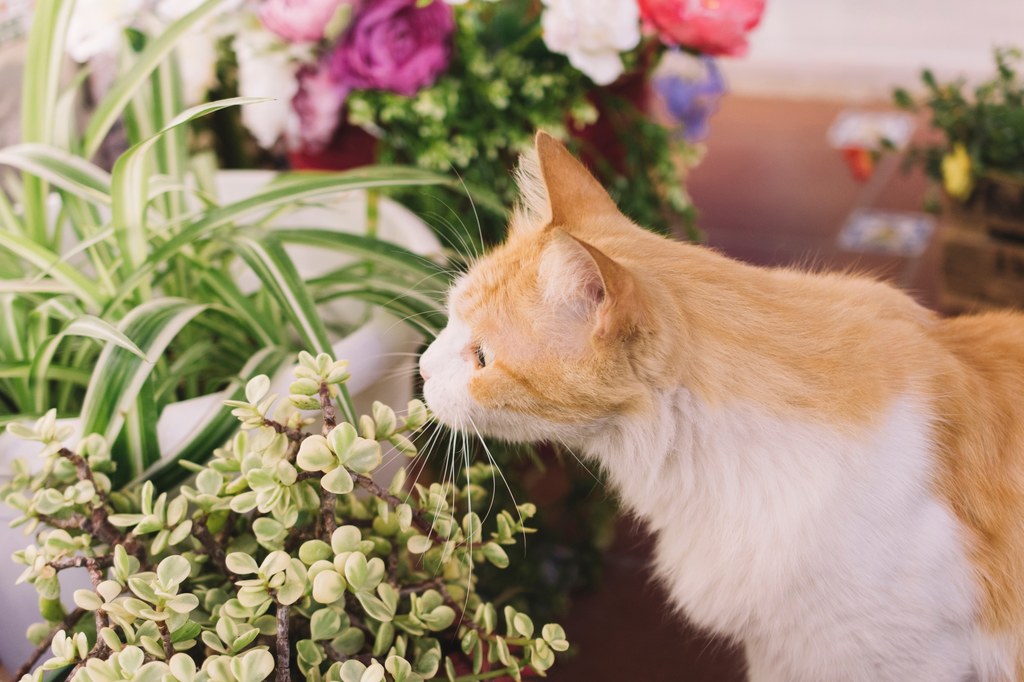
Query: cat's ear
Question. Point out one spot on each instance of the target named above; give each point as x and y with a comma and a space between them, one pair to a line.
586, 284
572, 192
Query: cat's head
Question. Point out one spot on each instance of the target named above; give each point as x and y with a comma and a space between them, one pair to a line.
545, 331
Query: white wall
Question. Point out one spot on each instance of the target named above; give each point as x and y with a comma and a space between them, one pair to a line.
859, 49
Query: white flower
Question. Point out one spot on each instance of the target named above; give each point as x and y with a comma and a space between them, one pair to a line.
592, 33
95, 27
266, 68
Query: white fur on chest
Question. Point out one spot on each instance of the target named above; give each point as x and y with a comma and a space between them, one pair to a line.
828, 556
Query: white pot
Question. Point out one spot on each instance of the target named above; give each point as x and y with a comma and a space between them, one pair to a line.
378, 350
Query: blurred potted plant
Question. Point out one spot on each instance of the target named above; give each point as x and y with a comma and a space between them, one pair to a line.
139, 299
464, 86
978, 161
282, 558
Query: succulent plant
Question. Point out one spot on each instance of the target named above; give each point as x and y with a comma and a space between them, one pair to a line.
282, 555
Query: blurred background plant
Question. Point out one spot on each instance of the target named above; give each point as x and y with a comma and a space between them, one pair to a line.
982, 131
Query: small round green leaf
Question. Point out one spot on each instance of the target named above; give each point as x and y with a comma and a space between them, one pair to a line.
418, 544
324, 624
341, 438
349, 642
240, 563
346, 539
496, 554
315, 454
88, 600
363, 456
523, 624
312, 551
338, 481
257, 388
328, 587
356, 570
275, 563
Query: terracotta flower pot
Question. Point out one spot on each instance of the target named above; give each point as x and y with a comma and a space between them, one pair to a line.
350, 147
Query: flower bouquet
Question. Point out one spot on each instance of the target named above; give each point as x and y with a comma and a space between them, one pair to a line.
463, 85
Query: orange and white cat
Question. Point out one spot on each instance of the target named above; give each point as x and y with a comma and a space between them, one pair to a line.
834, 474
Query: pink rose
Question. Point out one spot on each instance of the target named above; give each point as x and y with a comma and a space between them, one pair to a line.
395, 45
317, 107
302, 21
715, 27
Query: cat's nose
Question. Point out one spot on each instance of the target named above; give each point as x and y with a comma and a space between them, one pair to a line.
424, 373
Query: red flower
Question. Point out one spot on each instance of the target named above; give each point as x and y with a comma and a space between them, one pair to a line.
715, 27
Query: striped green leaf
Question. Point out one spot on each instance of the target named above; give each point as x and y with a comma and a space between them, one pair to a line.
225, 290
138, 442
50, 263
371, 250
383, 282
23, 370
13, 348
294, 189
9, 221
119, 375
211, 429
172, 151
61, 169
32, 286
130, 184
297, 188
427, 320
95, 328
12, 322
154, 54
268, 259
86, 326
41, 84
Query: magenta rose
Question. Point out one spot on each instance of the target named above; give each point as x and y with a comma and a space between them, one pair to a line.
317, 106
395, 45
714, 27
301, 21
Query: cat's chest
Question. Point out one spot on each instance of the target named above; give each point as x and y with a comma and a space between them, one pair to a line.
763, 522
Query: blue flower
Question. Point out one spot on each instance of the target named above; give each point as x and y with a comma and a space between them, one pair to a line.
692, 101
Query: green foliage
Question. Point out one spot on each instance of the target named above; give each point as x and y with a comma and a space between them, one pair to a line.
118, 291
262, 559
502, 86
988, 121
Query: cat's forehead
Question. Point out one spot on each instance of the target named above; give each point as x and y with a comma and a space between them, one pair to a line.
472, 297
457, 293
494, 283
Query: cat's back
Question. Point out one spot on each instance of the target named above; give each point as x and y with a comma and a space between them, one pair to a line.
980, 404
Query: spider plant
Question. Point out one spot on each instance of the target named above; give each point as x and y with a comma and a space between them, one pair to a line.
118, 290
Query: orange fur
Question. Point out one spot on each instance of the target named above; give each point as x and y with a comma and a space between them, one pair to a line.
833, 348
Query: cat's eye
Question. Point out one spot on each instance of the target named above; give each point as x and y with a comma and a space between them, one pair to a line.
481, 357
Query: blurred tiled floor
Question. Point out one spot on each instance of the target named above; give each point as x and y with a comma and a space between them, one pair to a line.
771, 192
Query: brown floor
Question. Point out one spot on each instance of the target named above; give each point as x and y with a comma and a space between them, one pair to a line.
771, 192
